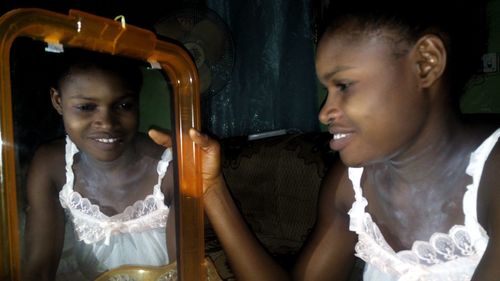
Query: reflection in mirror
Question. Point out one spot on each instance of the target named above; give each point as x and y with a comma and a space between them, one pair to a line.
94, 191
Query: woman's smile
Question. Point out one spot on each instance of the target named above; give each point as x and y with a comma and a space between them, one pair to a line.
110, 140
340, 141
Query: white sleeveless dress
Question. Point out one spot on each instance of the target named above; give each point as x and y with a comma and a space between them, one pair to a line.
451, 256
95, 242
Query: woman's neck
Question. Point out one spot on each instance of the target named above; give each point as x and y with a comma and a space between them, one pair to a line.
438, 152
121, 164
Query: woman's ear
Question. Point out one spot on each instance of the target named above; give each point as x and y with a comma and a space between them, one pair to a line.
55, 97
430, 59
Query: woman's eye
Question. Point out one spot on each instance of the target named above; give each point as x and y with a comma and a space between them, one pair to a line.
125, 106
343, 87
86, 107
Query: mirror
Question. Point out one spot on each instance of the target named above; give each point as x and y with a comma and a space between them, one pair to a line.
28, 119
36, 122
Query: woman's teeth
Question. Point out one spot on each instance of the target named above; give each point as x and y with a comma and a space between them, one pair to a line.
108, 140
339, 136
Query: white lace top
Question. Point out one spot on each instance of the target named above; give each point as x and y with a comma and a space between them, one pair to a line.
95, 242
449, 256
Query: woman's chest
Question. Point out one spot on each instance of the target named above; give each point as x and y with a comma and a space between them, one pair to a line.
114, 194
406, 217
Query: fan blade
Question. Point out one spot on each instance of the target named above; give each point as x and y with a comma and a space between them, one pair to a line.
212, 37
205, 77
172, 27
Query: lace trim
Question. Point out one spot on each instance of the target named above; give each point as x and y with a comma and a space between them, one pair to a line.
91, 225
475, 170
461, 242
441, 248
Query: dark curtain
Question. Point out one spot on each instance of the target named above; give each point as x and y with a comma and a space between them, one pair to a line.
273, 84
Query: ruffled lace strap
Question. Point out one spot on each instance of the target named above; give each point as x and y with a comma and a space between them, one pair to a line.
166, 157
475, 170
67, 189
357, 211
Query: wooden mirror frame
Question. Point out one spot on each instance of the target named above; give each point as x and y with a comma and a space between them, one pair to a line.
87, 31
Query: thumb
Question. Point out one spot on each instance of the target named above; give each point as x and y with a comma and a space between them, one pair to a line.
160, 137
204, 141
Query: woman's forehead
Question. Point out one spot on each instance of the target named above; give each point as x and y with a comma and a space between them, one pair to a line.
345, 38
348, 52
357, 29
94, 73
386, 39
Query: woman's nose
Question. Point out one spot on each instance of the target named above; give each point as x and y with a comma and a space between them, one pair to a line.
330, 109
105, 119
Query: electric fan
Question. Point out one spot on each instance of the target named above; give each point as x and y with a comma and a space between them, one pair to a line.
205, 35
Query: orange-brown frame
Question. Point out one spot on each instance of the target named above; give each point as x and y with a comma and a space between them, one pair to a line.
83, 30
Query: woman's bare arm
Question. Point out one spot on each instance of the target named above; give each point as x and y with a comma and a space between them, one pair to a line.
44, 234
248, 258
329, 252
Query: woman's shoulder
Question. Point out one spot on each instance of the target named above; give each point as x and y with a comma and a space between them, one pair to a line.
491, 151
337, 188
488, 187
49, 160
51, 151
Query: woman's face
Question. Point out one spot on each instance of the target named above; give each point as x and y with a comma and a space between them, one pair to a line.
374, 107
100, 113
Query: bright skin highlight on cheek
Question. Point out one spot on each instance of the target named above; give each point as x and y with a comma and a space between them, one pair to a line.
370, 92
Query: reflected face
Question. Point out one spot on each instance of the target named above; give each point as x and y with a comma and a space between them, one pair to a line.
374, 108
100, 113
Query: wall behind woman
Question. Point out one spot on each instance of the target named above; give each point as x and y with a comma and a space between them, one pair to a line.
273, 85
484, 92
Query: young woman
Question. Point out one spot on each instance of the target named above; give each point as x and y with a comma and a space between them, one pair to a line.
416, 195
109, 186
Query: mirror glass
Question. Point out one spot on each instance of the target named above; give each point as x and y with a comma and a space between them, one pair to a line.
37, 122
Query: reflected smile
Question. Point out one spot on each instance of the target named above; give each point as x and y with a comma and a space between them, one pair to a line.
104, 140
